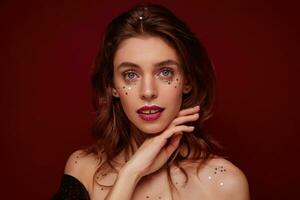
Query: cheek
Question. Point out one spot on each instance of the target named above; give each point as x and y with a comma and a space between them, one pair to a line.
123, 88
171, 94
126, 91
173, 86
127, 104
128, 96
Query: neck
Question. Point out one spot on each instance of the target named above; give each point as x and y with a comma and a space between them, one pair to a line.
137, 138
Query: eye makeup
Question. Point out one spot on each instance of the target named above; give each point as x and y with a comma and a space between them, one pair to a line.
129, 76
164, 74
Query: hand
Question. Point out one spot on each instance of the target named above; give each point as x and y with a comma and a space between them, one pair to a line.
154, 152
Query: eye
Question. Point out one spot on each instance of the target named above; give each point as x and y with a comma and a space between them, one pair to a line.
166, 72
129, 75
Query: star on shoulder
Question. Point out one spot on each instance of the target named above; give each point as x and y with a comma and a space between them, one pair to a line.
226, 180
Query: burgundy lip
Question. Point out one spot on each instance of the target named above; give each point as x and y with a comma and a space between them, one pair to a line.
149, 108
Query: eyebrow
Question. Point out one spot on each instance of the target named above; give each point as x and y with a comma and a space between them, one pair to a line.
159, 64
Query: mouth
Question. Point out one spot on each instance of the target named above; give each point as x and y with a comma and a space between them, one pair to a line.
150, 113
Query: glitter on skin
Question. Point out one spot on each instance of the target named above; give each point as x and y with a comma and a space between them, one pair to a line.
177, 79
169, 82
216, 170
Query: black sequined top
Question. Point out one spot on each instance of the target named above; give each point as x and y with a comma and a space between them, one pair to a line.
71, 189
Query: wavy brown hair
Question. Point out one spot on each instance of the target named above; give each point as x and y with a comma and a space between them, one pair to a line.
111, 129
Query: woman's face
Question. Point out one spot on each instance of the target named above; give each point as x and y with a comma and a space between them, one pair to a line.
147, 72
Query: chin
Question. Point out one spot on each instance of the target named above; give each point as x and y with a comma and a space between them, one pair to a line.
152, 129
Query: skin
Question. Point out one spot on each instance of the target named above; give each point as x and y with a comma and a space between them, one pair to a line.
148, 83
143, 177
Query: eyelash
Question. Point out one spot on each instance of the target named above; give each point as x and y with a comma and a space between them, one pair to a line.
171, 71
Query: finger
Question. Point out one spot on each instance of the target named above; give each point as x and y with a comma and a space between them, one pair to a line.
185, 119
172, 146
188, 111
182, 128
167, 151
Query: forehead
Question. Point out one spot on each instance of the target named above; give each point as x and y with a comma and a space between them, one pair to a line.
144, 50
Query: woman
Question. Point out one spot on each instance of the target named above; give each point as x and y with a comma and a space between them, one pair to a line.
154, 88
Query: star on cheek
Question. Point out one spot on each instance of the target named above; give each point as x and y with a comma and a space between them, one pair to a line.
177, 82
126, 89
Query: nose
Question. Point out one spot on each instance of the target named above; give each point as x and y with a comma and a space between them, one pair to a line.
148, 89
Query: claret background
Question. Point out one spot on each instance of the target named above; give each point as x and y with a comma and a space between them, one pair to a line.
48, 47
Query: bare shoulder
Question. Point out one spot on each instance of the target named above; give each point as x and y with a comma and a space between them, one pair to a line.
82, 166
215, 178
226, 179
